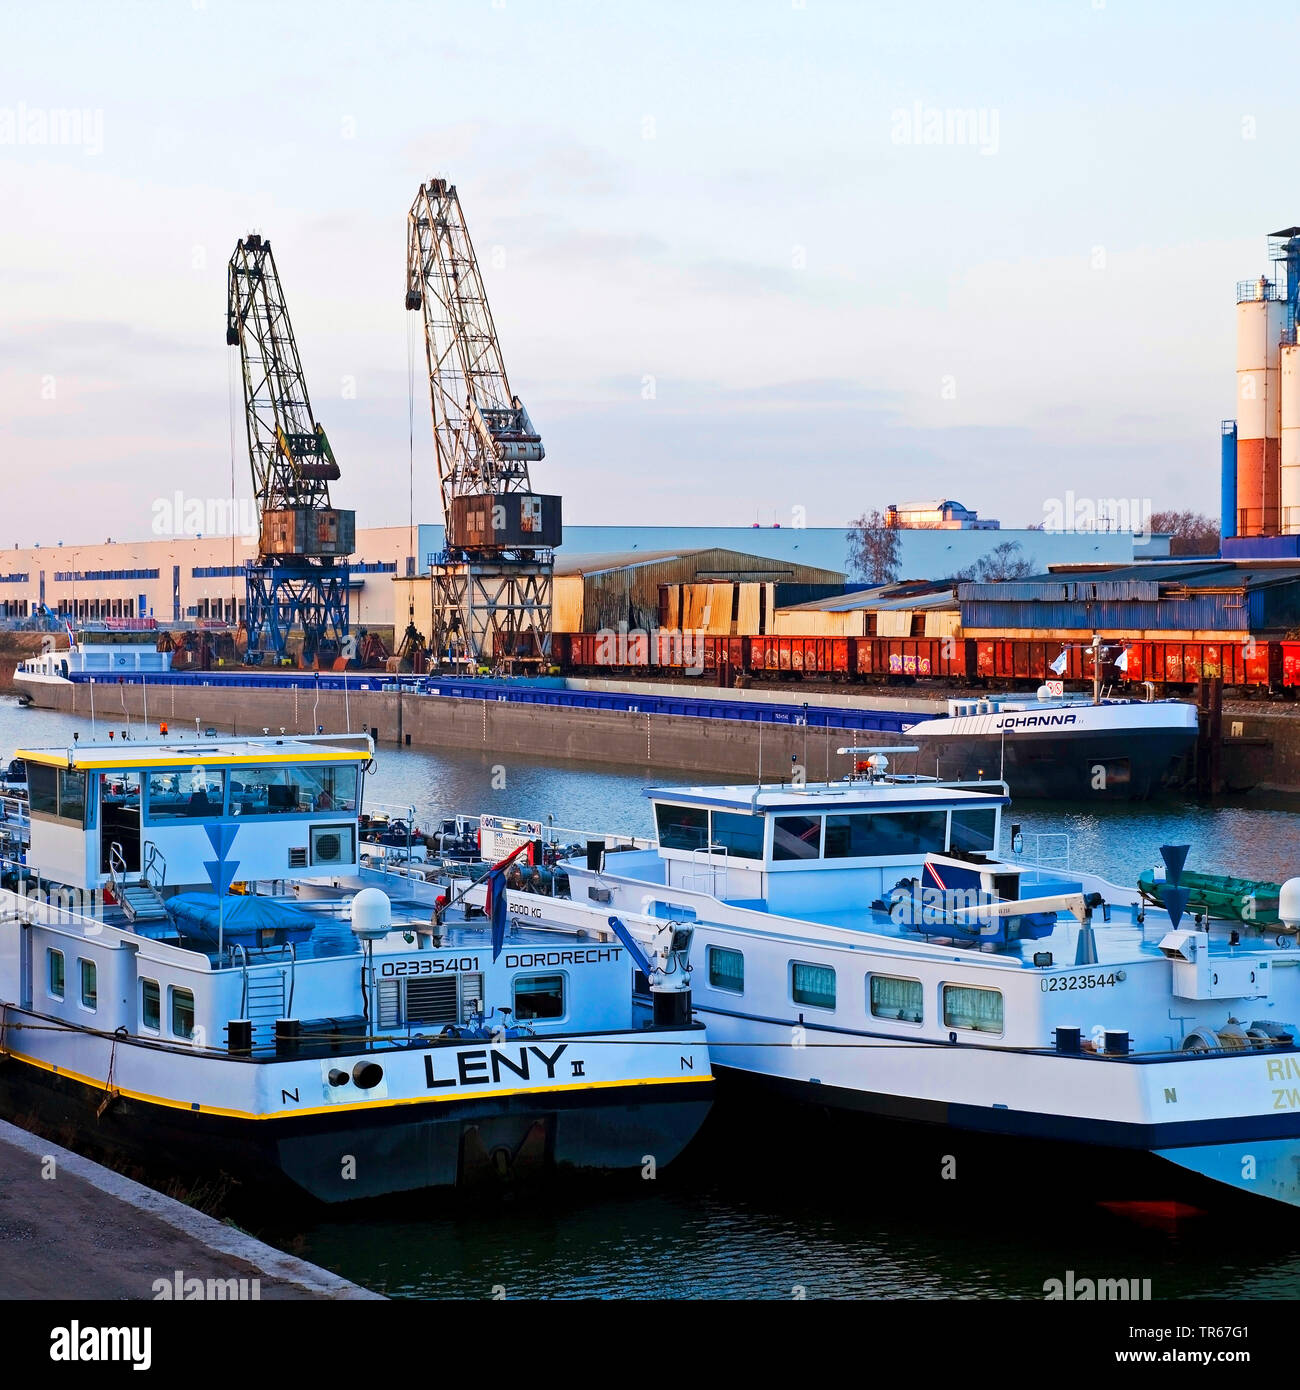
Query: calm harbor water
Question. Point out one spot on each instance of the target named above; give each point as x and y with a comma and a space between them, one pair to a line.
763, 1208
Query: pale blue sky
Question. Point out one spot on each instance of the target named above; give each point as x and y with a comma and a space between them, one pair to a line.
716, 196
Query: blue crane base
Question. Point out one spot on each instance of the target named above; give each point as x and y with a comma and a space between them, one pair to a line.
309, 598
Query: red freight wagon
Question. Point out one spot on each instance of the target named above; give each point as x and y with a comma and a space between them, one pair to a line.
640, 651
822, 656
607, 650
1290, 663
1245, 662
725, 651
696, 651
909, 658
1017, 658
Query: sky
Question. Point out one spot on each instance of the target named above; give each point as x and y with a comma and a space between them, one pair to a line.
779, 261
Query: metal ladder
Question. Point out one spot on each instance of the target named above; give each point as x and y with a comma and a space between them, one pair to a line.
267, 995
264, 1002
141, 900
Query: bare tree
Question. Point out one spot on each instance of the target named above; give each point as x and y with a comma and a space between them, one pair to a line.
1004, 561
1190, 533
874, 549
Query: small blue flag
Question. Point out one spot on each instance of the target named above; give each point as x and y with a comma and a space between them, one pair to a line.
496, 909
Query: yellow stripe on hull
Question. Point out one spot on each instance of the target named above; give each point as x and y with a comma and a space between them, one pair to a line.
197, 1109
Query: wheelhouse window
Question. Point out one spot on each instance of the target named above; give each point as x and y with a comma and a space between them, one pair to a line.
740, 835
538, 996
893, 997
813, 985
910, 834
182, 1012
328, 788
89, 984
196, 793
965, 1006
57, 792
269, 791
42, 790
974, 830
150, 1005
72, 796
726, 969
54, 961
796, 837
682, 827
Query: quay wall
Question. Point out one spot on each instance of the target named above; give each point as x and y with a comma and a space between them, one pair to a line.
494, 727
1260, 750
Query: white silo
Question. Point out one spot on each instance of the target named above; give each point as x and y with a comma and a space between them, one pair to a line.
1289, 472
1261, 317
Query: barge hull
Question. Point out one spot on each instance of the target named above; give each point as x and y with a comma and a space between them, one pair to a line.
1071, 766
475, 1142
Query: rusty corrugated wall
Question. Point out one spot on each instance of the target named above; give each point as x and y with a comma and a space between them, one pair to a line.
630, 593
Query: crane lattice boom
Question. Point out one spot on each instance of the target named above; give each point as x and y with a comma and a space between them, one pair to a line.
483, 436
300, 580
293, 464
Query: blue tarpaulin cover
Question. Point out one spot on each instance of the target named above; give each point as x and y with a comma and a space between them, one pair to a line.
244, 915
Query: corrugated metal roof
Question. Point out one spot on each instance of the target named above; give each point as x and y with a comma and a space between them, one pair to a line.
1059, 590
614, 560
1144, 583
714, 563
923, 594
858, 603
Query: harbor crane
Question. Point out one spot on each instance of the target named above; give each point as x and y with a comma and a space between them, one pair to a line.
492, 584
300, 579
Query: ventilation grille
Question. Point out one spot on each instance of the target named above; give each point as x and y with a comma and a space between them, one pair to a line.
390, 1003
471, 994
298, 857
431, 1001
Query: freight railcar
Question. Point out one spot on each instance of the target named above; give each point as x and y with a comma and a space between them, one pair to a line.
662, 650
907, 659
792, 657
1247, 663
1290, 664
1003, 661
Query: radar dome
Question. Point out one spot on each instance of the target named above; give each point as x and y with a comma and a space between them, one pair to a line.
372, 914
1288, 904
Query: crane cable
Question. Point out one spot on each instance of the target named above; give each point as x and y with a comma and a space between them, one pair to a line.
410, 428
230, 411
